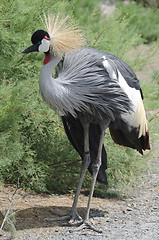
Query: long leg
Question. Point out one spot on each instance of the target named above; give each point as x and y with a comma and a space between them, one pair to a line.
95, 166
85, 164
86, 161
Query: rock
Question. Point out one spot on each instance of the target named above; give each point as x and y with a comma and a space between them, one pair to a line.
155, 207
129, 209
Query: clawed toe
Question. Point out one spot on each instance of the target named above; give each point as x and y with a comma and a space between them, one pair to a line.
62, 218
73, 223
86, 225
74, 218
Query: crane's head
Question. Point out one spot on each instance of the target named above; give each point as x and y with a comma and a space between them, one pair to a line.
61, 37
41, 42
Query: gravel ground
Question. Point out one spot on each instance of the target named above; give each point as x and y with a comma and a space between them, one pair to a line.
136, 217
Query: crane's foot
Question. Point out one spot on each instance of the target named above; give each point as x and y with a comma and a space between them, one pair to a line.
74, 218
86, 225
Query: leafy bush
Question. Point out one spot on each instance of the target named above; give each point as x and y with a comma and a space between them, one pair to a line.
142, 19
149, 3
33, 145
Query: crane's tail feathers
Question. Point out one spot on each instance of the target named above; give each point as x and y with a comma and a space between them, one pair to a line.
132, 130
75, 134
64, 36
141, 120
145, 141
130, 139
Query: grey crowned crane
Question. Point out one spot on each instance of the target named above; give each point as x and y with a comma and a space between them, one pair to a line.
93, 90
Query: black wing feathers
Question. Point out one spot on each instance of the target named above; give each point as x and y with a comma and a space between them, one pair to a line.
75, 134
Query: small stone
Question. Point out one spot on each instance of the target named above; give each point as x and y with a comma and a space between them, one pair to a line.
129, 209
56, 230
155, 207
133, 204
108, 220
137, 223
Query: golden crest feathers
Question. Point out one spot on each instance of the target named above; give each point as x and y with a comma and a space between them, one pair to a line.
64, 37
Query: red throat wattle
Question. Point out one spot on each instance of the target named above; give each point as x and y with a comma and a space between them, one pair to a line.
47, 59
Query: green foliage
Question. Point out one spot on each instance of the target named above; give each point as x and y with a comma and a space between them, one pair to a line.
31, 138
149, 3
151, 92
33, 145
144, 20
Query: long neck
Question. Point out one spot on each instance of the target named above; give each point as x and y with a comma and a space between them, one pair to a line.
48, 85
50, 66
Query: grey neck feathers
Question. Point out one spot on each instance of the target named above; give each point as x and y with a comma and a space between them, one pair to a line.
50, 66
50, 88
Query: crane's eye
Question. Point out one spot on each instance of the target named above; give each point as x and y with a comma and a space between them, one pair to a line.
44, 45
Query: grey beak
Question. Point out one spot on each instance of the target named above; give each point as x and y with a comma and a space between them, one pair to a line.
32, 48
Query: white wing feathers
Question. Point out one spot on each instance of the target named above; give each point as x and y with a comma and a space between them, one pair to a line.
137, 116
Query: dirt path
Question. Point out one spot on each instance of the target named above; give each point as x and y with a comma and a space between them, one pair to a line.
136, 217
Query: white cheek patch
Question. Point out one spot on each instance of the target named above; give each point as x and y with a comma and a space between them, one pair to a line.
44, 46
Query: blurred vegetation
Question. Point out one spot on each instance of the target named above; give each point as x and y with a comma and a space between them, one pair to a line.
149, 3
143, 20
33, 145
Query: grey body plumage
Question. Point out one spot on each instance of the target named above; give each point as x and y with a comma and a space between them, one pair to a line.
83, 85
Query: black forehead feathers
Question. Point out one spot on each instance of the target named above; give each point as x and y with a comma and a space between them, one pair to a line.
38, 36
